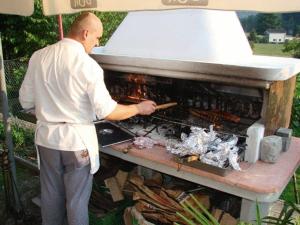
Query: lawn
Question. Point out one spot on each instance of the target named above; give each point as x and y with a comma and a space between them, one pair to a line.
270, 49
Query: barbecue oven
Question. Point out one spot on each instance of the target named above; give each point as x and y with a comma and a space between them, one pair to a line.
201, 60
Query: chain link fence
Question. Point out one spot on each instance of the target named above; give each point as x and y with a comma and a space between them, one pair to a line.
14, 73
22, 130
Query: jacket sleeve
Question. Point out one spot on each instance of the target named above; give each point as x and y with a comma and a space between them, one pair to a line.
26, 92
98, 94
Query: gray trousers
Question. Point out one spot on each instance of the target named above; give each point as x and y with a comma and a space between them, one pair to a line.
66, 185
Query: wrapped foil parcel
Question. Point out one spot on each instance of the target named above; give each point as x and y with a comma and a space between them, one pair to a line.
210, 148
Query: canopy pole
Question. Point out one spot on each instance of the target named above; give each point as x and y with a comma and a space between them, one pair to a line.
60, 27
8, 155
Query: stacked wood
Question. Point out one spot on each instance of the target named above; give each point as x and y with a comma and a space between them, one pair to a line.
161, 205
116, 184
224, 218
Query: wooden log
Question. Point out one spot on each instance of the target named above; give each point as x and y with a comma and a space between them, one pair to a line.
155, 197
224, 218
115, 190
278, 105
121, 177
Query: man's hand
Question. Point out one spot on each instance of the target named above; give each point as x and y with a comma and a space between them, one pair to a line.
146, 107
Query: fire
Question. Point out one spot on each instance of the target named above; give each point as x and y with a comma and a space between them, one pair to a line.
139, 89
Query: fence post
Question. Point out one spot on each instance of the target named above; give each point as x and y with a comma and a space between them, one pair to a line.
8, 135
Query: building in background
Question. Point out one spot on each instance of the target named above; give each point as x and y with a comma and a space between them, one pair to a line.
276, 35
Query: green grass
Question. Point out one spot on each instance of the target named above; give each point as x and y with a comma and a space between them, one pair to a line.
270, 50
288, 194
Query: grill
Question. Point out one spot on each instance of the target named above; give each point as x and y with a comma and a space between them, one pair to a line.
201, 60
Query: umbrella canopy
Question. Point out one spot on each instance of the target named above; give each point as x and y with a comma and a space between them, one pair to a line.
52, 7
17, 7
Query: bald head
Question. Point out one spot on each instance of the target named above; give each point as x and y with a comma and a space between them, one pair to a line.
86, 29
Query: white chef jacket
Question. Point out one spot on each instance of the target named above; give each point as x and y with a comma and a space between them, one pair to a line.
66, 88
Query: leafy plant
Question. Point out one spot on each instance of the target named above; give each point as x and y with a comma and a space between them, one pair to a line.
202, 217
295, 120
285, 216
293, 46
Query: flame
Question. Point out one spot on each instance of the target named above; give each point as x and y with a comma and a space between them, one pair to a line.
138, 81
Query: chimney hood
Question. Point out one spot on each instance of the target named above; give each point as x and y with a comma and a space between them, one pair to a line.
190, 44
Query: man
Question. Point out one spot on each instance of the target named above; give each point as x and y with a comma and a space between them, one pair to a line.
66, 88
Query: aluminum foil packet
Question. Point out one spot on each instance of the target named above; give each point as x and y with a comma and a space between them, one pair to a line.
207, 146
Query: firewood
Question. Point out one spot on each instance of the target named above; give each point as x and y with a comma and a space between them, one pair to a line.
155, 181
172, 201
127, 217
141, 220
115, 191
121, 177
224, 218
151, 194
157, 217
174, 193
144, 206
140, 196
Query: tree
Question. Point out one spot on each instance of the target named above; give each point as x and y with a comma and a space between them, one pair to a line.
267, 21
290, 21
21, 36
249, 23
293, 46
253, 36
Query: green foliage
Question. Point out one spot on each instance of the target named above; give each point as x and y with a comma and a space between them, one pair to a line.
205, 218
258, 217
21, 36
295, 121
285, 216
267, 21
293, 46
253, 36
202, 217
249, 23
290, 22
23, 139
111, 21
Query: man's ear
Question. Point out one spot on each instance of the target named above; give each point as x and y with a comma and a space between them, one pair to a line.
85, 34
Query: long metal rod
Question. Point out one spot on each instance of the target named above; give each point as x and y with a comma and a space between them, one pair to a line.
7, 129
60, 27
187, 124
296, 188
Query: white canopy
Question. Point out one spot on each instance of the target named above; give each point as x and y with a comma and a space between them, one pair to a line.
54, 7
71, 6
17, 7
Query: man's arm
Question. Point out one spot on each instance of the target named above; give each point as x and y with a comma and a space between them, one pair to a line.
106, 107
122, 112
